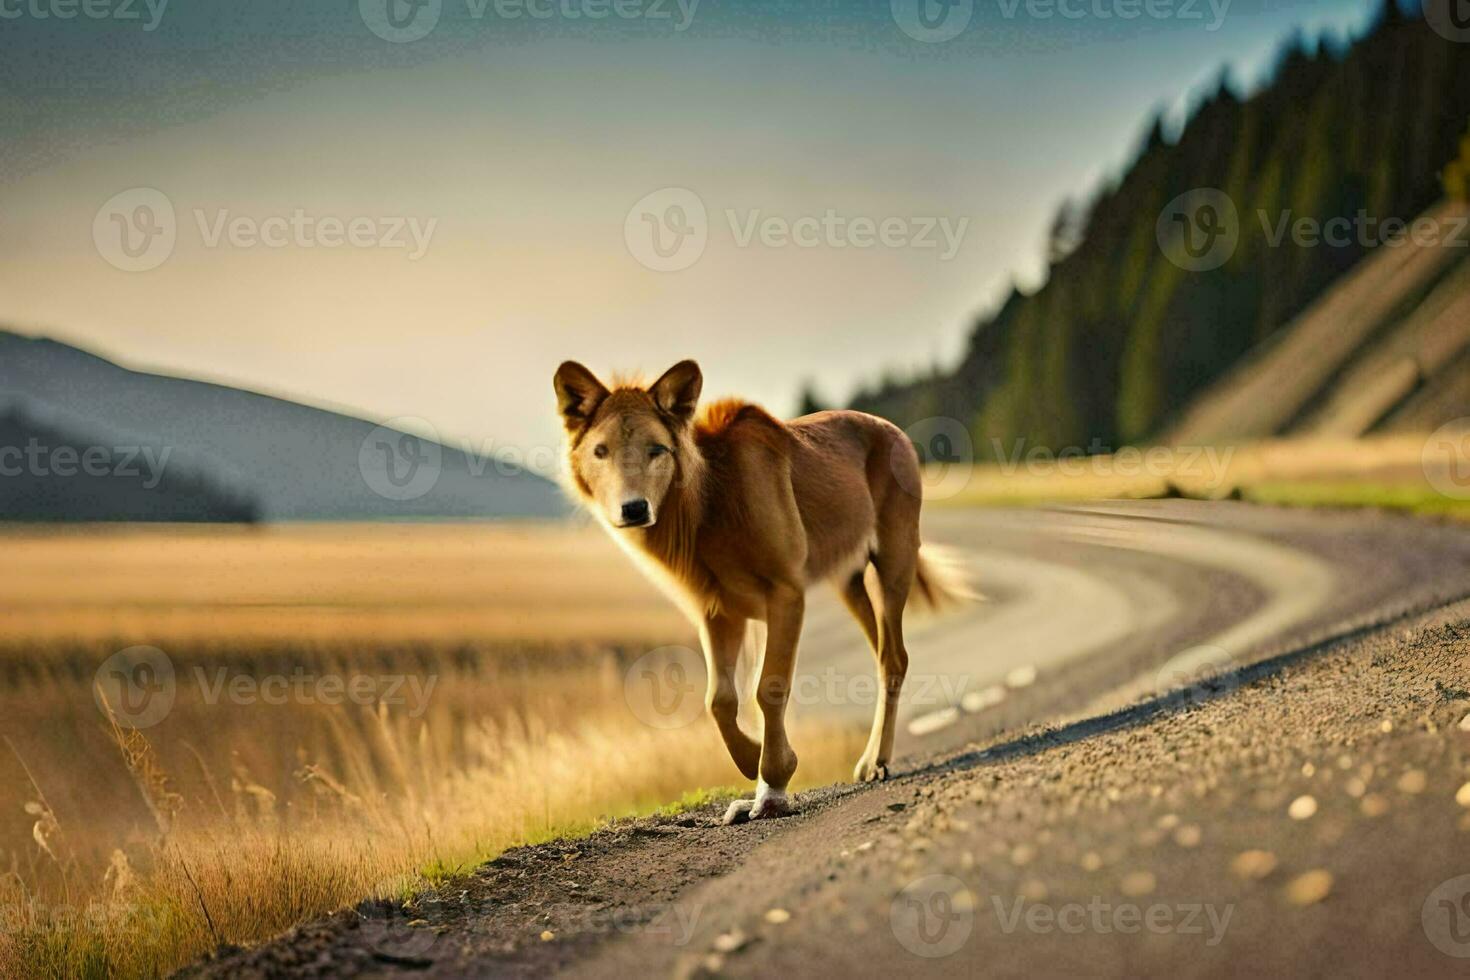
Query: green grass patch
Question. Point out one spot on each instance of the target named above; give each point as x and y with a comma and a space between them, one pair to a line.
694, 799
1413, 498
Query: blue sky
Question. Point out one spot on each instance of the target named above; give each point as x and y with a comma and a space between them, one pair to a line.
866, 192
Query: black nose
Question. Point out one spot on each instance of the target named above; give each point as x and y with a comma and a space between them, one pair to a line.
635, 512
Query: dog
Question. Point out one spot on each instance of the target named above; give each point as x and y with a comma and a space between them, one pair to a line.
735, 513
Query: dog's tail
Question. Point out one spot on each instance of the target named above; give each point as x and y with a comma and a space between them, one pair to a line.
942, 578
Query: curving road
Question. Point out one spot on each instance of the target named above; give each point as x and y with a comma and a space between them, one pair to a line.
1111, 602
1132, 721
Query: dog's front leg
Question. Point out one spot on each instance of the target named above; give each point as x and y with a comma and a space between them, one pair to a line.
722, 636
785, 607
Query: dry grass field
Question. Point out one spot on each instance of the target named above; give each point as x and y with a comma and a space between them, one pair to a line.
354, 710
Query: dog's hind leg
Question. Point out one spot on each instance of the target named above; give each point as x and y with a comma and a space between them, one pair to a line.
722, 636
896, 561
855, 595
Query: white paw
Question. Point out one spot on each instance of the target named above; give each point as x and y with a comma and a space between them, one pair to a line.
768, 803
739, 811
870, 772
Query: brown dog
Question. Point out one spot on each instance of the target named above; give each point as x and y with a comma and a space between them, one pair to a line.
735, 513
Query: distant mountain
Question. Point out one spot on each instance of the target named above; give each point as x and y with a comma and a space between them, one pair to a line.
1124, 336
221, 453
48, 474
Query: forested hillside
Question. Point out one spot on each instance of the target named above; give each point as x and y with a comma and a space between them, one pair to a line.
1120, 338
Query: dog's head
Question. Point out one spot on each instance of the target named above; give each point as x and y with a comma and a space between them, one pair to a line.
626, 446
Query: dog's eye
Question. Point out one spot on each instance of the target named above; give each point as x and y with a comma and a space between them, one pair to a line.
600, 451
655, 451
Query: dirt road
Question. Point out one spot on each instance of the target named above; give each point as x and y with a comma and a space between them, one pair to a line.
1182, 738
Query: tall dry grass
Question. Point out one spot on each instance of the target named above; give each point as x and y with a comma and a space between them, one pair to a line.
130, 852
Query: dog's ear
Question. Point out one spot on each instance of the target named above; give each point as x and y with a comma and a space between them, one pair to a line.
677, 391
578, 393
